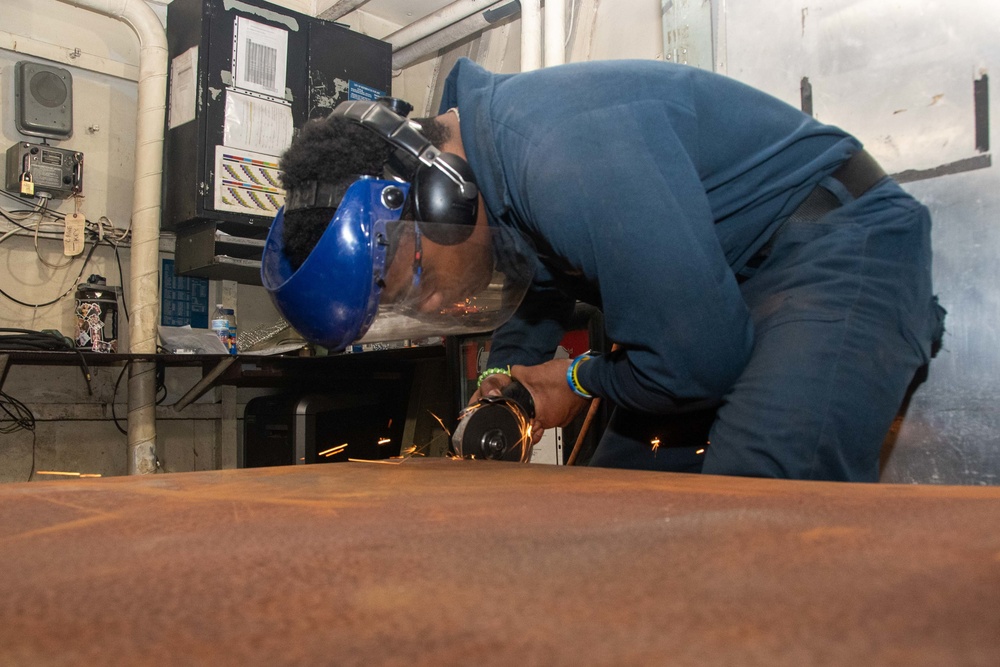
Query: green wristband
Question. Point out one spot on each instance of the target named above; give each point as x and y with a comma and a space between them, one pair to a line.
491, 371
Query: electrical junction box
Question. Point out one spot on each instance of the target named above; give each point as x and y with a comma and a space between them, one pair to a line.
244, 76
53, 172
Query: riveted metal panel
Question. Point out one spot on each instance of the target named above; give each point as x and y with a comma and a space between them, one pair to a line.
911, 80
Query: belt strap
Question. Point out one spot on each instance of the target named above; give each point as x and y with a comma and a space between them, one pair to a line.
857, 174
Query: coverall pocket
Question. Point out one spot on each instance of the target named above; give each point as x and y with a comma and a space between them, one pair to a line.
814, 273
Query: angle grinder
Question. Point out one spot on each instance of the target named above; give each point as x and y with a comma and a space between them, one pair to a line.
497, 427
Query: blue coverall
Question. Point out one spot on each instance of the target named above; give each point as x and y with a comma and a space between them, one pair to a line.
646, 187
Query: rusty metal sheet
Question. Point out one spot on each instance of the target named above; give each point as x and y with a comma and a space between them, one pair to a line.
473, 562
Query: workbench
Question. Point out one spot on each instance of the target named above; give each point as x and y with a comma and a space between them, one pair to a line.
245, 370
451, 562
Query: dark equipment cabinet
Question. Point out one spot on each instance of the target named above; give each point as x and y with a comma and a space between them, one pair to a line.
224, 135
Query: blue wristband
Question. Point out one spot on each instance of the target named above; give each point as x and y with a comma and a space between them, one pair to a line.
573, 381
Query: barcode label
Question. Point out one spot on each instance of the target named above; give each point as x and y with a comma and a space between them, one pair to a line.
261, 64
260, 55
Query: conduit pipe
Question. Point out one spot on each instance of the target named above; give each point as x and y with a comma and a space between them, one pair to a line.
470, 25
144, 312
531, 35
555, 32
341, 8
438, 20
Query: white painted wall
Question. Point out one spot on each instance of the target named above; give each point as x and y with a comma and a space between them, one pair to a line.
104, 73
74, 431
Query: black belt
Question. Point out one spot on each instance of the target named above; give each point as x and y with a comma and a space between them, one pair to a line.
858, 174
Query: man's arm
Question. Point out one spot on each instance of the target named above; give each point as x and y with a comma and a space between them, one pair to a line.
616, 194
532, 334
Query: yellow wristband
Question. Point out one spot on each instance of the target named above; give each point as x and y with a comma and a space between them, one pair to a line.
573, 381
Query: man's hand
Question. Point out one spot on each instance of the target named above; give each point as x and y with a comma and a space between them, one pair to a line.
555, 403
491, 385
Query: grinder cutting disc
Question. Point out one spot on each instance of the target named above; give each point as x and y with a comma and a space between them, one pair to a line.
495, 428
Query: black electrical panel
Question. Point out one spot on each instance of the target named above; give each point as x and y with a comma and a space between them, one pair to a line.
244, 76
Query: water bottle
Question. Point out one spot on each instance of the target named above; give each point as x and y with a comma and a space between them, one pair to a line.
220, 325
231, 319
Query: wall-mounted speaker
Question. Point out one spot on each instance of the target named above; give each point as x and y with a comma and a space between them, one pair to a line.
43, 100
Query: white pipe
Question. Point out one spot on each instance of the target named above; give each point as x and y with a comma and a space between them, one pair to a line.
144, 312
483, 20
338, 9
431, 23
555, 32
531, 35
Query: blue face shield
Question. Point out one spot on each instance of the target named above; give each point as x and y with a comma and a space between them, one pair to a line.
333, 296
373, 277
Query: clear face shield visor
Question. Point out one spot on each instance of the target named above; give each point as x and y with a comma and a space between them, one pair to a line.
439, 289
375, 278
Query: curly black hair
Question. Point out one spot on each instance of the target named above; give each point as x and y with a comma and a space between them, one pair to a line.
325, 150
333, 150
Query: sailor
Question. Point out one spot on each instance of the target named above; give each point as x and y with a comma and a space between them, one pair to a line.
758, 271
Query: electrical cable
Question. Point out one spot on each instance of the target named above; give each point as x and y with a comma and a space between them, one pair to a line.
118, 235
47, 340
121, 281
34, 449
114, 394
17, 221
114, 235
72, 287
38, 252
161, 383
160, 386
35, 210
19, 415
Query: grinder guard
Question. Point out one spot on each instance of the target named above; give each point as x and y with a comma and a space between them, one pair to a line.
496, 427
373, 277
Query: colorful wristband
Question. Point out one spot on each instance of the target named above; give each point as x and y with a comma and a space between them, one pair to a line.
573, 381
491, 371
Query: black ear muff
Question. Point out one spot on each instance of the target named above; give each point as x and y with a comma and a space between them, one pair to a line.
443, 188
437, 198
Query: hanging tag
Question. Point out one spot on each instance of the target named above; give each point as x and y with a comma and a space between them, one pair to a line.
73, 237
27, 187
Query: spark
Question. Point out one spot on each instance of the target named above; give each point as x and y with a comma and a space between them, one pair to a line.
384, 441
409, 452
333, 450
524, 428
413, 450
440, 422
68, 474
525, 442
655, 442
700, 451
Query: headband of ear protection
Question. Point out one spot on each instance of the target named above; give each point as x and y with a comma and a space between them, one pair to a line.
443, 188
